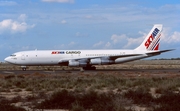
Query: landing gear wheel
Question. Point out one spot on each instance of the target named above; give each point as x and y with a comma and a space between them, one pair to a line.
24, 69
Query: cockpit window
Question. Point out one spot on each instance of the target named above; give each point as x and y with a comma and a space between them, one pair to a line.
13, 55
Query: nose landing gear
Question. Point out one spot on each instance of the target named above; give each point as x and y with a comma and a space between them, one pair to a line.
23, 68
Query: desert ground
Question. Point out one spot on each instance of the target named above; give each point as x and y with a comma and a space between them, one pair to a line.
143, 85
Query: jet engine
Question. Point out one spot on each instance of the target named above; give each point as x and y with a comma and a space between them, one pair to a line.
84, 63
101, 61
73, 63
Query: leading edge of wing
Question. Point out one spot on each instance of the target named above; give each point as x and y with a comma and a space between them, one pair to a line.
89, 58
121, 56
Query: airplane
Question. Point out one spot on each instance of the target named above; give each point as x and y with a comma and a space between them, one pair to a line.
86, 59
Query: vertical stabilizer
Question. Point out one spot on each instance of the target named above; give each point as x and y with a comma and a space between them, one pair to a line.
152, 40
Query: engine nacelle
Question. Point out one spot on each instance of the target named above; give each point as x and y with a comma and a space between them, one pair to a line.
101, 61
77, 64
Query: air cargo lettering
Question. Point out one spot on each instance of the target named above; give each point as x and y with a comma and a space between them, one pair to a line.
73, 52
151, 37
57, 52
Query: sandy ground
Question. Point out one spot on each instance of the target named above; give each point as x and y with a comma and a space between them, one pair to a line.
137, 69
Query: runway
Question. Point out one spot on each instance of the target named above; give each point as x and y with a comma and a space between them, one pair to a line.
170, 71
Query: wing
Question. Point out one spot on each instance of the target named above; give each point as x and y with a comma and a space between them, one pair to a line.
121, 56
89, 58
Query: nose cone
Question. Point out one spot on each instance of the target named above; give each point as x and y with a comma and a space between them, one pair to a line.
7, 59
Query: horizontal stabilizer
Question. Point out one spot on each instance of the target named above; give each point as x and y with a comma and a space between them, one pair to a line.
159, 52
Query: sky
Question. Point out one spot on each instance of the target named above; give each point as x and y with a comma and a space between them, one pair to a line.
86, 24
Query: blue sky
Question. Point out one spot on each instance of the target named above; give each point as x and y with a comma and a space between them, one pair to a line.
86, 24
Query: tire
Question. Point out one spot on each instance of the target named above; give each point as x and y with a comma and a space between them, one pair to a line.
24, 69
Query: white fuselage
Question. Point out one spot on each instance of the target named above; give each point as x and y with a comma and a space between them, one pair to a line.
56, 57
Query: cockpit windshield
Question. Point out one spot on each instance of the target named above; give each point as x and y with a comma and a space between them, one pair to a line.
13, 55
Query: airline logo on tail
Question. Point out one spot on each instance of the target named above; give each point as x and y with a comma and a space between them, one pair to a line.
152, 42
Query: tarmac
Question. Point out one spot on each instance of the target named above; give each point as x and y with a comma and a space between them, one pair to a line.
135, 71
